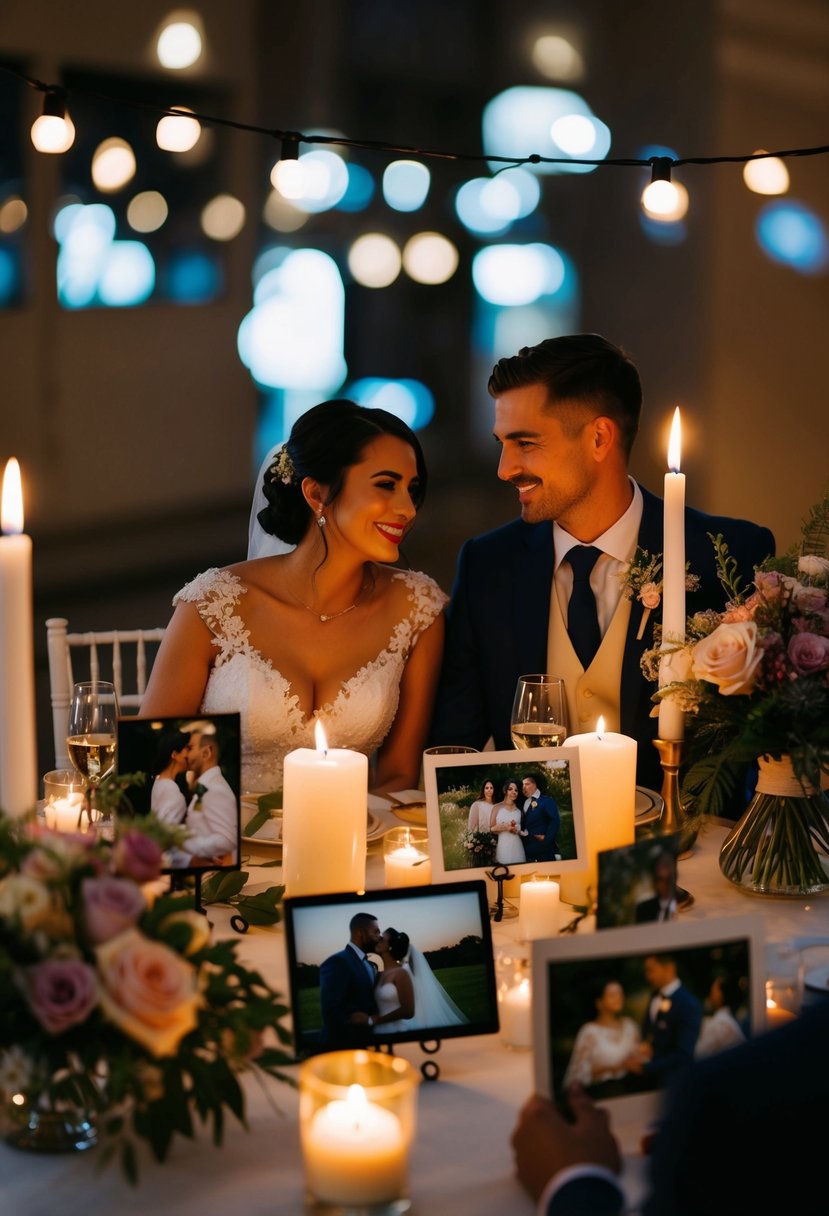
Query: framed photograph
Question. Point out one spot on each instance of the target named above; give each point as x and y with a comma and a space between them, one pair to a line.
620, 1011
522, 809
191, 769
638, 883
403, 964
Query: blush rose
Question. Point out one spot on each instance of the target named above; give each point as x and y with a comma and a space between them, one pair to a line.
61, 993
148, 991
110, 905
729, 658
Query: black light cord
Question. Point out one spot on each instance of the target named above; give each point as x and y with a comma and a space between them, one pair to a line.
289, 140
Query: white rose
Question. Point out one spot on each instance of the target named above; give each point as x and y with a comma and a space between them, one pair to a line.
813, 566
729, 657
25, 900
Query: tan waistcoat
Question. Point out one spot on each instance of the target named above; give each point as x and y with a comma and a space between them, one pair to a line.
593, 693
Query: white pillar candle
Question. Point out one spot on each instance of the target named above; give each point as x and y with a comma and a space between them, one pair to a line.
407, 866
355, 1152
538, 911
608, 785
515, 1015
18, 758
671, 717
324, 819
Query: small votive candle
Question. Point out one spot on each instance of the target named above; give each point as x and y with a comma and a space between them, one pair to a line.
357, 1114
515, 1013
64, 802
538, 912
406, 857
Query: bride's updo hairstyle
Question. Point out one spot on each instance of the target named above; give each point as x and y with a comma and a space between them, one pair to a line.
398, 944
324, 443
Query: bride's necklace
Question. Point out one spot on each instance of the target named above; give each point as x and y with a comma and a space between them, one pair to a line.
332, 616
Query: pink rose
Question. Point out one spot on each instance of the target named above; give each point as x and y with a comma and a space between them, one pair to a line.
808, 653
729, 658
649, 595
770, 584
138, 856
61, 993
110, 905
150, 992
809, 599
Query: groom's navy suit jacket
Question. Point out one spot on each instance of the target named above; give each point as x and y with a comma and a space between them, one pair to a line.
673, 1035
498, 616
544, 820
345, 988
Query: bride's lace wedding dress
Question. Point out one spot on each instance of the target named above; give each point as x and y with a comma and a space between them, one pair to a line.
272, 723
433, 1007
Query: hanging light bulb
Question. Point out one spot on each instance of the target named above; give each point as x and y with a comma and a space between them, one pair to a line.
663, 199
53, 130
287, 174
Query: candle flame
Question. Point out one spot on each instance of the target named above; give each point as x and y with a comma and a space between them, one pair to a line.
319, 738
11, 513
675, 443
600, 726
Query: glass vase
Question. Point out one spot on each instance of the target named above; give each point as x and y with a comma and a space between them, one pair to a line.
780, 846
43, 1126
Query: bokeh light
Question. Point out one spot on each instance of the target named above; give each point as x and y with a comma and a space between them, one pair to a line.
555, 57
518, 274
406, 184
409, 400
13, 214
177, 133
179, 44
113, 165
766, 176
429, 257
52, 134
147, 211
374, 260
664, 201
223, 218
791, 233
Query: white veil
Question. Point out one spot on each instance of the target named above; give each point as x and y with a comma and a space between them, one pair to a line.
433, 1005
260, 542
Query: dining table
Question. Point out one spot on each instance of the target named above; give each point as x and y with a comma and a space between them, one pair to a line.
462, 1159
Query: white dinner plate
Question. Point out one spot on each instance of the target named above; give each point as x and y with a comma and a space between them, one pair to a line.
648, 805
266, 836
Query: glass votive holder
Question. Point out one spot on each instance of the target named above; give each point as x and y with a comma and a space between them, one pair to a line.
65, 807
357, 1118
784, 983
539, 908
514, 984
406, 857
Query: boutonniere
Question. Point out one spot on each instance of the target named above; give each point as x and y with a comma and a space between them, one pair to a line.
199, 790
533, 803
641, 580
665, 1005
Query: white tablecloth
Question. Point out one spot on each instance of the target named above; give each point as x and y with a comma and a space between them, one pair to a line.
462, 1161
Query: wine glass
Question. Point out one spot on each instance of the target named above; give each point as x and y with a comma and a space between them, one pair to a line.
93, 717
539, 712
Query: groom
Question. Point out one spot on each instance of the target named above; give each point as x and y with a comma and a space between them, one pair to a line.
541, 820
347, 987
545, 592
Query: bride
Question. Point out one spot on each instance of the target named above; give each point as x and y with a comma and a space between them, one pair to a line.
408, 995
328, 630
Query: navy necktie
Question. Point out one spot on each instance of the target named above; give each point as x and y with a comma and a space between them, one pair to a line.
582, 618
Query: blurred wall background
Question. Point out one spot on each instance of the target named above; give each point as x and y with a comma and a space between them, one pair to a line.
140, 431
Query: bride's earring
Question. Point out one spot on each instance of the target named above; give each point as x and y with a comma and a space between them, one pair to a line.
321, 520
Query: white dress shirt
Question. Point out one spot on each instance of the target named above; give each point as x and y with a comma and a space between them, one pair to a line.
617, 545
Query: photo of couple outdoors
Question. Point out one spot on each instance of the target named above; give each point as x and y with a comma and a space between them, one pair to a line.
406, 969
628, 1025
507, 814
191, 767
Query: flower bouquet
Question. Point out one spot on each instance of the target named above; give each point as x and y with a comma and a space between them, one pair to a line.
480, 847
122, 1021
757, 690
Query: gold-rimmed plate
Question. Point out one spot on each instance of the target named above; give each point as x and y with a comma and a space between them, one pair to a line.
269, 835
648, 806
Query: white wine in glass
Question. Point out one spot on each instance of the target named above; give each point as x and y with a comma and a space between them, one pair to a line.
93, 720
539, 712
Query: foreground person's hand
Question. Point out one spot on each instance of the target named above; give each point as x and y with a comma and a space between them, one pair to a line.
544, 1142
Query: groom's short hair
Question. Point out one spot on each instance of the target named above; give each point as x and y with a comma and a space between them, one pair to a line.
361, 920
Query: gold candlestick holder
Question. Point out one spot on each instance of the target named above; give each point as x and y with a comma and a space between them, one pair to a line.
674, 820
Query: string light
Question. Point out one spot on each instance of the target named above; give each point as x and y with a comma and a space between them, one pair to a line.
53, 131
664, 199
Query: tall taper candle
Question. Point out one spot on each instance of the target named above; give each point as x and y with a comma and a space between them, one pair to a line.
18, 758
671, 717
